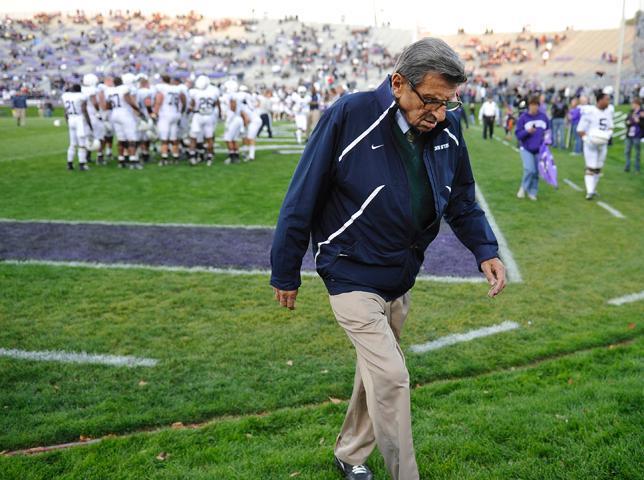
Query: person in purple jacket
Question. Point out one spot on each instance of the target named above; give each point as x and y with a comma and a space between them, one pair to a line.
634, 123
574, 115
531, 129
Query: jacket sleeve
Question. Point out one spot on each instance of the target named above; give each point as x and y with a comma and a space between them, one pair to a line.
520, 130
305, 195
463, 214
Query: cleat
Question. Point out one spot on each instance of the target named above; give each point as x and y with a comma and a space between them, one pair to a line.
521, 193
227, 161
590, 196
532, 197
83, 167
353, 472
70, 166
209, 163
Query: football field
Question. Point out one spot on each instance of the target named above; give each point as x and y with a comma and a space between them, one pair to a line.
137, 323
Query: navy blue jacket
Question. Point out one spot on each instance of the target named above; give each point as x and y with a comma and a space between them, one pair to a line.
350, 195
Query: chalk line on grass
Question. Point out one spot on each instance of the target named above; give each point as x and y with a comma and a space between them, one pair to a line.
464, 337
80, 357
214, 270
613, 211
573, 185
514, 275
136, 224
632, 297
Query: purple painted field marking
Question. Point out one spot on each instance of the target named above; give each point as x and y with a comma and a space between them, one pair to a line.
226, 249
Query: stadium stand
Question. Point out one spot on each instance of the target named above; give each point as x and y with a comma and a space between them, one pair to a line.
45, 50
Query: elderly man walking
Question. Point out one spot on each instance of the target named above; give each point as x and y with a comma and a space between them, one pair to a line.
379, 172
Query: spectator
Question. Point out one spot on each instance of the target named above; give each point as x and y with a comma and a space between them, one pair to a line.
531, 129
634, 126
488, 115
19, 106
574, 114
558, 112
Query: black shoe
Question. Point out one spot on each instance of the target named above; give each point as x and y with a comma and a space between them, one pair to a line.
83, 167
70, 166
353, 472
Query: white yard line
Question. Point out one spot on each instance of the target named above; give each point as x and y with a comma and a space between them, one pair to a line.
514, 275
290, 152
137, 224
464, 337
573, 185
613, 211
633, 297
505, 142
221, 271
80, 357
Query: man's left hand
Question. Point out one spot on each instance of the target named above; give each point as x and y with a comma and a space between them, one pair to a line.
495, 273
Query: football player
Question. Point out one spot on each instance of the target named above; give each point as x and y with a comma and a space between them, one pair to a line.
252, 121
595, 128
90, 89
169, 104
145, 102
79, 125
301, 105
204, 103
121, 100
234, 121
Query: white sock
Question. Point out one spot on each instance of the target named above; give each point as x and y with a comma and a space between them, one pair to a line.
590, 183
298, 135
70, 154
82, 155
251, 152
595, 181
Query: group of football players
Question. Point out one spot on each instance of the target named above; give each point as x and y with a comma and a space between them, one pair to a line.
174, 118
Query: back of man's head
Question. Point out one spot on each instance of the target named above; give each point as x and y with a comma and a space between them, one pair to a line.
430, 55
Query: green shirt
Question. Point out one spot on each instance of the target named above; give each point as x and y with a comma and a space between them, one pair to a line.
422, 197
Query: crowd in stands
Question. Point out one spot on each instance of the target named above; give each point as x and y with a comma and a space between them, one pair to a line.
486, 54
48, 50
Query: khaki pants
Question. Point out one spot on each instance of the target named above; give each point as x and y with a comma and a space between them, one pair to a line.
379, 410
20, 114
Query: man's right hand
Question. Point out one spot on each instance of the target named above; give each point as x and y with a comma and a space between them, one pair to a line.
286, 298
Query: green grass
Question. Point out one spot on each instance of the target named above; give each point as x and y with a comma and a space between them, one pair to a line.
223, 344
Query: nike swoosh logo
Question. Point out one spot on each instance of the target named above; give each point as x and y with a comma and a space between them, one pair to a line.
448, 188
376, 147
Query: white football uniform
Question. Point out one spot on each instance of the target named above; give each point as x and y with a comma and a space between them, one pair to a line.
595, 120
300, 110
98, 130
184, 122
169, 112
123, 116
142, 95
247, 103
108, 128
204, 119
78, 128
234, 121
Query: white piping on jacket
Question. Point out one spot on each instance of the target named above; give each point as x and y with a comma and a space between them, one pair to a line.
452, 136
365, 133
348, 223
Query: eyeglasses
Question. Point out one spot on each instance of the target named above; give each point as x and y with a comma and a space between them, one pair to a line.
435, 103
